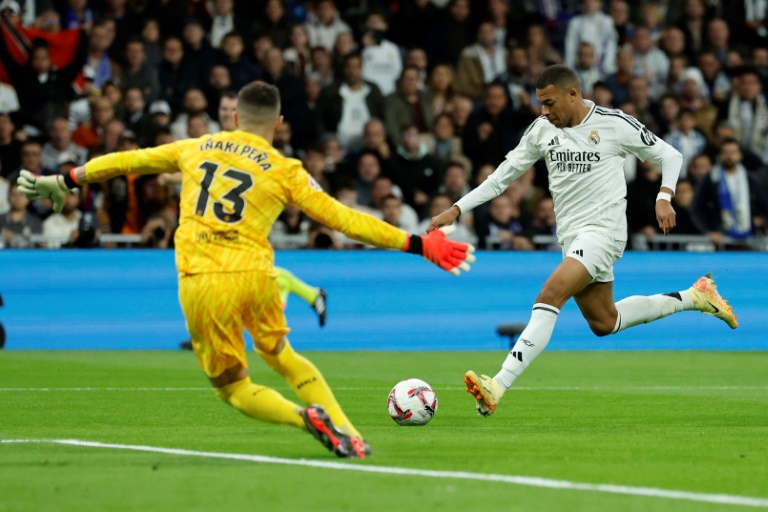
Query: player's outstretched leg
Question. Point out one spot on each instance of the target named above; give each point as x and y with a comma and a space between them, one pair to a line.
308, 384
319, 424
702, 296
261, 403
315, 297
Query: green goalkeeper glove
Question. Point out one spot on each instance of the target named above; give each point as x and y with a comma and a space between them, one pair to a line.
44, 187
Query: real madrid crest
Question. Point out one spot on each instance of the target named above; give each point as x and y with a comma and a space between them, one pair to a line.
594, 138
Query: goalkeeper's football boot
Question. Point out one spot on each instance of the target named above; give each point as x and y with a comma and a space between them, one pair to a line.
319, 424
320, 305
707, 300
486, 391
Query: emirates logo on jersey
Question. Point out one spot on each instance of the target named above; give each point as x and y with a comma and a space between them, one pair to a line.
594, 138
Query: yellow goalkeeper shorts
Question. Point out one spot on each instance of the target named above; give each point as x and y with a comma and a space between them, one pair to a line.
218, 306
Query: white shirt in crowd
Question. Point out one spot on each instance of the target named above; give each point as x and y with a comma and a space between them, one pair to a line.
325, 35
585, 164
382, 65
354, 115
222, 25
9, 101
597, 30
58, 228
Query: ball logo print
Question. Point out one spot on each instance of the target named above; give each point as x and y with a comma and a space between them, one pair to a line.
412, 402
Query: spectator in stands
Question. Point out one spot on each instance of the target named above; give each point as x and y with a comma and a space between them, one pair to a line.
692, 97
241, 70
77, 15
42, 89
596, 28
345, 107
408, 106
650, 62
90, 131
226, 111
718, 36
718, 86
444, 145
440, 87
669, 109
346, 193
61, 143
748, 113
368, 169
518, 78
150, 35
218, 82
224, 21
322, 65
198, 52
174, 73
504, 227
136, 117
448, 37
540, 52
61, 228
382, 63
345, 45
673, 44
645, 111
110, 141
314, 163
194, 104
383, 188
619, 13
586, 69
730, 201
32, 159
416, 172
462, 109
641, 200
375, 141
274, 23
602, 95
19, 222
692, 23
480, 63
543, 222
104, 69
197, 126
686, 139
698, 169
138, 73
290, 222
491, 130
682, 202
297, 55
417, 58
10, 147
9, 100
454, 184
325, 24
619, 81
392, 213
292, 97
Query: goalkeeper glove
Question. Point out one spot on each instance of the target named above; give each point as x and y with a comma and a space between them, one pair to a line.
44, 187
446, 254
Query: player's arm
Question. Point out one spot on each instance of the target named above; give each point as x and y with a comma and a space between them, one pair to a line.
639, 141
309, 197
157, 160
514, 165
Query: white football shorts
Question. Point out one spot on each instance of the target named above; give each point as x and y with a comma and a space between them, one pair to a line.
596, 249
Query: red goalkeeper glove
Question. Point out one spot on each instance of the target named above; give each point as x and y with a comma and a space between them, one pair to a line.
446, 254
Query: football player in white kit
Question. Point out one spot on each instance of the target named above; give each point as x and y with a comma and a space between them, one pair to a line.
584, 147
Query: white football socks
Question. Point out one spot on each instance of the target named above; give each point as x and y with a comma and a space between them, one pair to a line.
639, 309
532, 342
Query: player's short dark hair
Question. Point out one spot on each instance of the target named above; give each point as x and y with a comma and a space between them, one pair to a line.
259, 102
560, 76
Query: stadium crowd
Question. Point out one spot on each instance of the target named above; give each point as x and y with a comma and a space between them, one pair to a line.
396, 108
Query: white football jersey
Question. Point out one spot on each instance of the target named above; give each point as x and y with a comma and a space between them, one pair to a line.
585, 164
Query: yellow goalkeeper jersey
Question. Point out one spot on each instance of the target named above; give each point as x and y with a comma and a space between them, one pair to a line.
234, 186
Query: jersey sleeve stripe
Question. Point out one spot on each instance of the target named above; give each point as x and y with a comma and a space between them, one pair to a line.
633, 124
532, 125
618, 112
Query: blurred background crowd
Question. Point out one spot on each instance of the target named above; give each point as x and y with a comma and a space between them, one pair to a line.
397, 108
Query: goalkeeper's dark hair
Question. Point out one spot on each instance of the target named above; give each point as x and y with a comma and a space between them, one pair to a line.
561, 77
258, 103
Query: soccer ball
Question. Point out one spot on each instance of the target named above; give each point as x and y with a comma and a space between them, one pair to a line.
412, 402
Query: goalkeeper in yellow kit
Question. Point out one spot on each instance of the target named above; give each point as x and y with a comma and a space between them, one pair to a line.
234, 186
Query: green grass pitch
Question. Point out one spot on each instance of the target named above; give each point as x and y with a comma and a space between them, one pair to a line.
687, 421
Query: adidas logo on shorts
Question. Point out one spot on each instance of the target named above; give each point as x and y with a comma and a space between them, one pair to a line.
580, 252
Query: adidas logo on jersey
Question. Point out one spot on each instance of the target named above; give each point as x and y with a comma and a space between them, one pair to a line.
579, 252
554, 142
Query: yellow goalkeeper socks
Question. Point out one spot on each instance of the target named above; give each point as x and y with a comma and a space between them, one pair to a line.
261, 403
289, 283
308, 384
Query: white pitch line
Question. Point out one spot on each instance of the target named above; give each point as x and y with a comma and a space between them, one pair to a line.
532, 481
449, 388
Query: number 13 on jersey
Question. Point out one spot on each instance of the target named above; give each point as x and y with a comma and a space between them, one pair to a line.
232, 207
